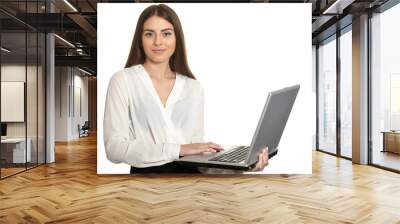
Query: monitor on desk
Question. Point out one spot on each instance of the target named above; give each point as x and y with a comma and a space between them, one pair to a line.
3, 130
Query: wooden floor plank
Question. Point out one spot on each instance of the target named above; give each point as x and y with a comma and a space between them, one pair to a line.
70, 191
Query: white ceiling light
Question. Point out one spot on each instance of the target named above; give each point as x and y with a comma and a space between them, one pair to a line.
86, 72
338, 6
65, 41
70, 5
5, 49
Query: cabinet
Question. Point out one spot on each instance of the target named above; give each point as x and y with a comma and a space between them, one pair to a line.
391, 141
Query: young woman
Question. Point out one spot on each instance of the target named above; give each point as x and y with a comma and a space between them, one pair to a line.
154, 107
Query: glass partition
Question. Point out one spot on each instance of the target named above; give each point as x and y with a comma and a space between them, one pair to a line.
22, 77
346, 93
385, 89
327, 96
13, 109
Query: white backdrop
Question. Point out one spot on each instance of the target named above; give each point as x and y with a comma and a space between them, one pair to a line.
239, 52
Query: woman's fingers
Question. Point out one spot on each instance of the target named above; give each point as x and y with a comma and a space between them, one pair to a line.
211, 150
214, 145
265, 161
262, 160
206, 149
209, 147
259, 163
198, 148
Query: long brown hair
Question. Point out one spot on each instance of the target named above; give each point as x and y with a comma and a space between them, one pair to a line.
178, 61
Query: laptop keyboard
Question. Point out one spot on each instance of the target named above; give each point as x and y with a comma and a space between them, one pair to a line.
235, 156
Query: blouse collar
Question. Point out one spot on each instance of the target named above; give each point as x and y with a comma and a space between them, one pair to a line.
175, 92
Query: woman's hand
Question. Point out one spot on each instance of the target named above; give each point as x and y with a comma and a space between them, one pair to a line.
197, 148
262, 160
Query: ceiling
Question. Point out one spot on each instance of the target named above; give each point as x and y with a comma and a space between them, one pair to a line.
76, 26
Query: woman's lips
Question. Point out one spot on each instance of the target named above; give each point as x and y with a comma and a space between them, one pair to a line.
158, 51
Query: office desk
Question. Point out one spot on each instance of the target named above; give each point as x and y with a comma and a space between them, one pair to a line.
391, 141
13, 150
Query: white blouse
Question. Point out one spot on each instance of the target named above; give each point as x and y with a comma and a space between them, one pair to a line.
139, 130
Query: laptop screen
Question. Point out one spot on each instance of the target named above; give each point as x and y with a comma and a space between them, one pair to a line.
273, 120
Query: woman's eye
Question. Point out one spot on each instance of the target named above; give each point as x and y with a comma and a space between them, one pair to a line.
167, 34
148, 34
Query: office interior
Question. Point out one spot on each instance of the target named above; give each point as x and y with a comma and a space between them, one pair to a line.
48, 81
357, 85
48, 108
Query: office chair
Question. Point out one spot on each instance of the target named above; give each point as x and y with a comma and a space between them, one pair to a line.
84, 130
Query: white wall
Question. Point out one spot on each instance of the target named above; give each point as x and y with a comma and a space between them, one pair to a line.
80, 83
61, 103
67, 116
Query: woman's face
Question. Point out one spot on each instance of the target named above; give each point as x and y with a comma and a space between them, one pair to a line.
158, 39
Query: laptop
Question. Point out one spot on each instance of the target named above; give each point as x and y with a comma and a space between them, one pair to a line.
268, 133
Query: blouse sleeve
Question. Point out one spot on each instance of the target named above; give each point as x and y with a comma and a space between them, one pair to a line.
119, 146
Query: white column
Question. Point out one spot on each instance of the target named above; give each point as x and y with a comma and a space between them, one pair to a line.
50, 92
50, 109
360, 90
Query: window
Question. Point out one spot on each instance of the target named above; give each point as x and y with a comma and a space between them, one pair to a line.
346, 93
327, 96
385, 88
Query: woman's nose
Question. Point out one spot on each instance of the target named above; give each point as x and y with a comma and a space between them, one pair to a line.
157, 40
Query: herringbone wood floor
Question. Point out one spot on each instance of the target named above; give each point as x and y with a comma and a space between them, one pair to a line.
70, 191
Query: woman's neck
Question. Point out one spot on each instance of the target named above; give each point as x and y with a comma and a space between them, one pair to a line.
159, 71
